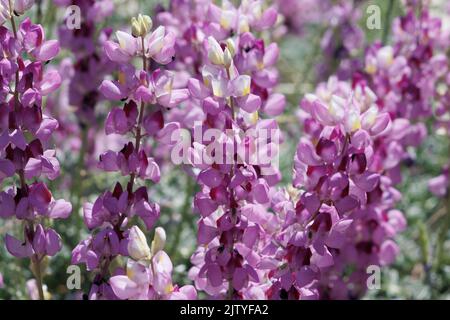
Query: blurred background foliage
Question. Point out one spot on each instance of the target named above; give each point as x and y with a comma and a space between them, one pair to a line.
422, 270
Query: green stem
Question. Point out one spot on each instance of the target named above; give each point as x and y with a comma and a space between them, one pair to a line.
38, 274
230, 292
39, 11
387, 22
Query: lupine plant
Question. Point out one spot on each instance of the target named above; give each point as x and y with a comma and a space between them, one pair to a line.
112, 212
27, 159
306, 149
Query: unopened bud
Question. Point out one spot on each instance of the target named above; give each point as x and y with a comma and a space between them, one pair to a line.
231, 46
227, 58
146, 23
159, 241
215, 52
137, 245
141, 25
135, 27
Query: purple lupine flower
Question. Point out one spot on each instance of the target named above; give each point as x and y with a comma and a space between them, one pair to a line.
109, 216
75, 106
344, 213
148, 271
5, 11
25, 134
411, 75
232, 81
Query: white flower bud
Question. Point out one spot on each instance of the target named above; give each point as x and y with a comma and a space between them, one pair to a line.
135, 27
146, 23
159, 241
141, 25
227, 58
231, 46
137, 245
215, 52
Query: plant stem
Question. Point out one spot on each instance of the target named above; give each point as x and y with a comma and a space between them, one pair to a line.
140, 119
14, 29
387, 22
35, 261
230, 292
39, 11
38, 274
13, 24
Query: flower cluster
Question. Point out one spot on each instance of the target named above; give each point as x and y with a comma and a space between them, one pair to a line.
200, 88
26, 130
112, 212
232, 83
83, 72
224, 262
411, 75
342, 220
407, 72
148, 271
195, 22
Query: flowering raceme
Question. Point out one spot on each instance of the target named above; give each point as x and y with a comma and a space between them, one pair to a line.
25, 137
344, 214
232, 84
411, 75
112, 212
182, 121
149, 271
83, 74
194, 22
